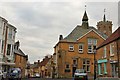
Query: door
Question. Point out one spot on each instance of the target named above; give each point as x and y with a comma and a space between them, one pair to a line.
73, 71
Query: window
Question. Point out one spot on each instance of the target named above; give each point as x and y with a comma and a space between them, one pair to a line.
86, 65
71, 47
8, 49
2, 46
74, 61
105, 52
67, 69
80, 48
92, 43
112, 49
67, 66
10, 33
89, 48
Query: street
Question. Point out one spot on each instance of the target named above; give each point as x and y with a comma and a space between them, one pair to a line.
44, 79
105, 78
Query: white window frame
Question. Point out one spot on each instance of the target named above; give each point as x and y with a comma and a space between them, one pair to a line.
80, 48
86, 65
92, 43
105, 52
90, 50
111, 50
71, 47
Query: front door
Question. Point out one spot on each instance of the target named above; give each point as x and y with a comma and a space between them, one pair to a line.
73, 71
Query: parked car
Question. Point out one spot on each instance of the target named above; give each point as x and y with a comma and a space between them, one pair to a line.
14, 73
37, 75
80, 74
1, 74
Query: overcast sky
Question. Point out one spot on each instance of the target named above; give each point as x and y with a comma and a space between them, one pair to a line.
40, 23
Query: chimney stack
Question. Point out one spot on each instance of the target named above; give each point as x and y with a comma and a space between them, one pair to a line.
60, 37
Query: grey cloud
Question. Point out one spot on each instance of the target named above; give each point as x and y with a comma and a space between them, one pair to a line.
40, 24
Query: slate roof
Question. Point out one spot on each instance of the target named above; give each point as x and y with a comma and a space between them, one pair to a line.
79, 31
111, 38
20, 52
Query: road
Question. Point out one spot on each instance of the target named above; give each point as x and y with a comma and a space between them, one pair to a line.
45, 79
70, 79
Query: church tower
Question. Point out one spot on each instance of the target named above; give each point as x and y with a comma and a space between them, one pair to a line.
105, 26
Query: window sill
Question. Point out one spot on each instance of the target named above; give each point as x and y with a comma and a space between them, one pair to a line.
105, 73
80, 52
100, 74
90, 53
88, 71
111, 55
71, 50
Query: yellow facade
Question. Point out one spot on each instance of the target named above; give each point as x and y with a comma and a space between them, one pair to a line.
65, 56
21, 62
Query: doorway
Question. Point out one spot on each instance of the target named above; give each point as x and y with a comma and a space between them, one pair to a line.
73, 71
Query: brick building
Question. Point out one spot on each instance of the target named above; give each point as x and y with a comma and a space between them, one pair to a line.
110, 65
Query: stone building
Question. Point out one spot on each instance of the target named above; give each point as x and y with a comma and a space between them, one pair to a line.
20, 59
76, 50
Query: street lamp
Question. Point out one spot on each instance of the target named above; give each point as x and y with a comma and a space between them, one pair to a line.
94, 50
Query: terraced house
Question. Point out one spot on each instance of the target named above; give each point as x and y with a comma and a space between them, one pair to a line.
75, 51
110, 64
20, 59
7, 40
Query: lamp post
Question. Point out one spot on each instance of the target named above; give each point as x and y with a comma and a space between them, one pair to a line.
94, 50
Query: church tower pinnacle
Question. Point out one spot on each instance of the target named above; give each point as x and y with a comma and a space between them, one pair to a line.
105, 26
85, 20
104, 18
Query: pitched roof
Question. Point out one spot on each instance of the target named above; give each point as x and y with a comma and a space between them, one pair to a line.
79, 31
44, 62
20, 52
111, 38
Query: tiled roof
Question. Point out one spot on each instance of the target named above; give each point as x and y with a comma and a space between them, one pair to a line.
79, 31
111, 38
44, 62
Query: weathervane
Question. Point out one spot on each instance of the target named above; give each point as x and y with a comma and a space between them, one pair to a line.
85, 7
104, 11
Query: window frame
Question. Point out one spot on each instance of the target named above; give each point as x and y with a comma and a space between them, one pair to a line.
71, 47
85, 65
105, 52
9, 49
111, 50
80, 48
91, 42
